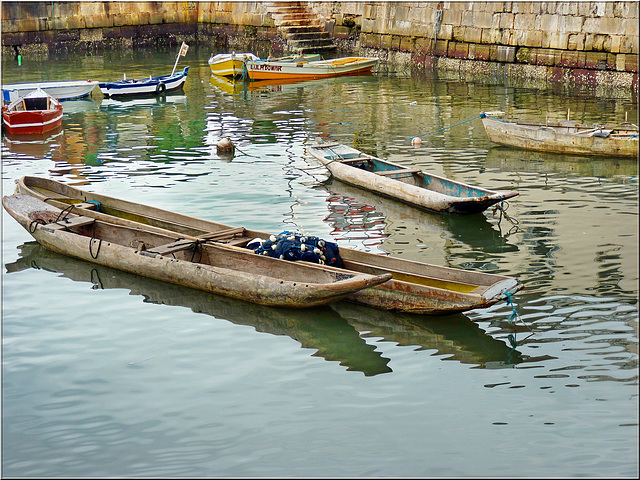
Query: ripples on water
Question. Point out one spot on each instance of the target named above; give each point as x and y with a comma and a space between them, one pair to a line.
109, 374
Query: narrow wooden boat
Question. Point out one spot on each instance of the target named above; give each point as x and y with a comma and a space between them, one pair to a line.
151, 86
409, 185
230, 64
415, 287
306, 70
233, 64
563, 137
169, 257
63, 90
35, 113
145, 87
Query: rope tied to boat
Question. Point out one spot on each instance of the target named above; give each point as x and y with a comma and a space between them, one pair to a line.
451, 126
502, 207
96, 203
514, 317
66, 213
34, 225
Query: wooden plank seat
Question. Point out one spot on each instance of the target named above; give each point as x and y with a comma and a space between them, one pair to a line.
325, 145
172, 247
353, 160
70, 222
185, 243
222, 234
399, 172
85, 205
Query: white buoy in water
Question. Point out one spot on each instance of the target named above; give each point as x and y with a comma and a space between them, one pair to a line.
416, 141
226, 146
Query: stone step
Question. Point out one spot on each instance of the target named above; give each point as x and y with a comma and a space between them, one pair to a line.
319, 42
318, 49
301, 28
307, 35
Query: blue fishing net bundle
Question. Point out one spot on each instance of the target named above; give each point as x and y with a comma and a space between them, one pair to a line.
296, 246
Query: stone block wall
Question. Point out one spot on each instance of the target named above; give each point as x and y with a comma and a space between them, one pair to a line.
586, 40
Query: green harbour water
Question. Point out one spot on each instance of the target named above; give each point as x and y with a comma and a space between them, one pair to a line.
108, 374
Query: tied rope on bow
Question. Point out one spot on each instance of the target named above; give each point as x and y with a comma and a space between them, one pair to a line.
514, 316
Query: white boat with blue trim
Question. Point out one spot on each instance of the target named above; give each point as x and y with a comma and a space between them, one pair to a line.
64, 90
150, 86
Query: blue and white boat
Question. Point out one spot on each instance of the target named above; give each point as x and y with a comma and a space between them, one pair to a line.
145, 86
148, 86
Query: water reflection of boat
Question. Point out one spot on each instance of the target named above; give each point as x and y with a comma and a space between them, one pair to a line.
474, 230
228, 85
455, 335
142, 102
280, 84
36, 144
80, 105
321, 328
507, 159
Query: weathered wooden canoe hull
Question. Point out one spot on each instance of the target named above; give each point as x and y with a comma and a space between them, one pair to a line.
411, 186
416, 287
559, 139
253, 278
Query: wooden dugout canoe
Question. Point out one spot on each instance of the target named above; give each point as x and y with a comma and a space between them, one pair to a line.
415, 287
564, 137
167, 257
409, 185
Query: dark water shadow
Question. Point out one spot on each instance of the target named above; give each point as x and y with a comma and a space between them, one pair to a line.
321, 328
453, 336
508, 159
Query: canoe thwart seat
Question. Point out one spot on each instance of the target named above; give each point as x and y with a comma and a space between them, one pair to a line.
399, 172
70, 222
184, 243
225, 234
86, 205
169, 248
325, 145
353, 160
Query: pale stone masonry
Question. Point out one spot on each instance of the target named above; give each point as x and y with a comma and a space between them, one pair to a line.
587, 41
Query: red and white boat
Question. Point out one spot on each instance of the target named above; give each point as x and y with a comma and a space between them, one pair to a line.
35, 112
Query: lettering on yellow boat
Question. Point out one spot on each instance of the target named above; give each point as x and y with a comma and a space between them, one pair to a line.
265, 67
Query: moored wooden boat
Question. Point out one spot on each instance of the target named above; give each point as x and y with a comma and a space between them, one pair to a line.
409, 185
62, 90
563, 137
35, 113
159, 85
233, 64
415, 287
309, 70
150, 86
229, 64
228, 271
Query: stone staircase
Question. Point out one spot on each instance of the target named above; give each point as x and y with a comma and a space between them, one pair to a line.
302, 29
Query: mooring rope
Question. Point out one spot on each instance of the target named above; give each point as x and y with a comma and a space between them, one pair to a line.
451, 126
